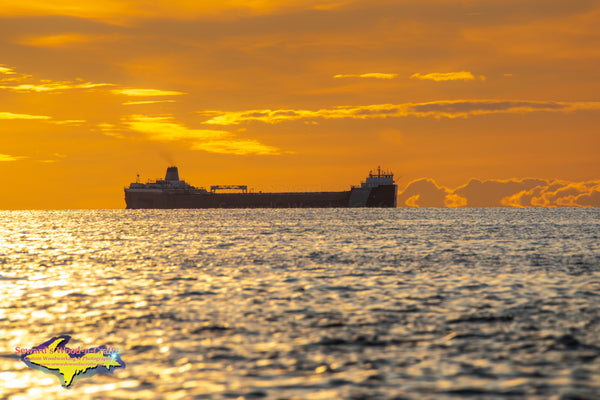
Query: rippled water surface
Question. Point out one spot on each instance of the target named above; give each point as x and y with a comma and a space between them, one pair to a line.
307, 304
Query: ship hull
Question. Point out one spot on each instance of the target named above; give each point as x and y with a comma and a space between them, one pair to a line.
380, 196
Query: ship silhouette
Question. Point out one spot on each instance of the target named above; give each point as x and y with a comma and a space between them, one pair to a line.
378, 190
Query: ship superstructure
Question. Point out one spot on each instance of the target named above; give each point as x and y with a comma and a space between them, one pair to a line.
378, 190
170, 183
381, 178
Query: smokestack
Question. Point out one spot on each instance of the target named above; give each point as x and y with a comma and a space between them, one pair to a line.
172, 174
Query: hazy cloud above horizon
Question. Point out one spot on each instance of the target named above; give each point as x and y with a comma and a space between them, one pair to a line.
8, 157
166, 129
437, 109
501, 193
446, 76
375, 75
10, 115
146, 92
45, 85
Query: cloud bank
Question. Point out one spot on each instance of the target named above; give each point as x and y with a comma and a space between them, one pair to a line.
121, 11
6, 70
52, 87
375, 75
165, 129
502, 193
146, 92
9, 115
44, 86
8, 157
437, 109
446, 76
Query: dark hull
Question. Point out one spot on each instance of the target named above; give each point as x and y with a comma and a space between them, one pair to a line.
381, 196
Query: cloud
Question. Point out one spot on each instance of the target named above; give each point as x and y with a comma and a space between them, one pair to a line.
70, 122
112, 130
590, 199
43, 86
9, 115
236, 146
14, 116
124, 11
490, 193
446, 76
423, 193
453, 200
63, 40
557, 194
49, 86
8, 157
437, 109
527, 192
131, 103
8, 74
146, 92
163, 128
375, 75
53, 86
6, 70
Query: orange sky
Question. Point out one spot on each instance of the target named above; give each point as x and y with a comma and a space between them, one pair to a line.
301, 95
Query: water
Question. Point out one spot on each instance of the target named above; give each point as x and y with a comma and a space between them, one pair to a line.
307, 304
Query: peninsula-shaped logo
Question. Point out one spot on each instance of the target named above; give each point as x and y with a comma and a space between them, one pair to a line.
70, 365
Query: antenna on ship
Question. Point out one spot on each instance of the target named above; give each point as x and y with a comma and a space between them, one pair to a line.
137, 180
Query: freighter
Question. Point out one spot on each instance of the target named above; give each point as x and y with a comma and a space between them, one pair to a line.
378, 190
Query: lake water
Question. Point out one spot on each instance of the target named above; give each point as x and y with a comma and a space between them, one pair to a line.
307, 303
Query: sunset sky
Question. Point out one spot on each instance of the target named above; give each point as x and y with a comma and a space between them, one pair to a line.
470, 102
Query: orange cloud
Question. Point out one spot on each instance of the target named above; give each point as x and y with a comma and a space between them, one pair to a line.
445, 76
70, 122
53, 87
62, 40
423, 193
589, 199
43, 85
9, 115
146, 92
426, 193
491, 193
8, 157
163, 128
412, 201
454, 200
6, 70
50, 86
10, 75
375, 75
124, 11
131, 103
437, 109
502, 193
557, 194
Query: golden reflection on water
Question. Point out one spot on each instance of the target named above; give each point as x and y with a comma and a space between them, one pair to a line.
305, 303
